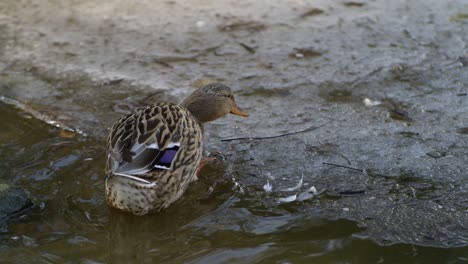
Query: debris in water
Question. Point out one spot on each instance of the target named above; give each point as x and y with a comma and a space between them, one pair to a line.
66, 134
113, 81
464, 59
365, 77
275, 136
306, 195
437, 154
309, 194
409, 134
298, 55
295, 188
305, 53
326, 149
247, 47
352, 192
268, 187
459, 17
237, 185
312, 12
399, 114
269, 176
167, 60
313, 190
369, 102
288, 199
249, 26
200, 24
353, 4
463, 130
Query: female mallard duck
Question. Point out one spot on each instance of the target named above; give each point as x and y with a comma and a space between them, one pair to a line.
155, 152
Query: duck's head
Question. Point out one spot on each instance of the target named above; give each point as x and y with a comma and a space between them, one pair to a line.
212, 102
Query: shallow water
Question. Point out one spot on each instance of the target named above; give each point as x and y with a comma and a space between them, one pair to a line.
221, 224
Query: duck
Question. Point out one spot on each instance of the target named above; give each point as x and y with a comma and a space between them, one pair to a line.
155, 152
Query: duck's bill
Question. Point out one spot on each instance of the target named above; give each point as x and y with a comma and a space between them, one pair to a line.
236, 111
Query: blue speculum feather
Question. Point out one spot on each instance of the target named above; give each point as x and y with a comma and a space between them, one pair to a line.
165, 160
168, 156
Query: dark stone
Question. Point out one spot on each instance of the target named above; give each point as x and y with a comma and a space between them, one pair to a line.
14, 202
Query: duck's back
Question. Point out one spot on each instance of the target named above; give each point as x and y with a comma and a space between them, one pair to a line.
152, 156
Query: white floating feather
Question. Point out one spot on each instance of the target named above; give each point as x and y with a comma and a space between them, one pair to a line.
288, 199
304, 196
312, 190
297, 187
268, 187
369, 102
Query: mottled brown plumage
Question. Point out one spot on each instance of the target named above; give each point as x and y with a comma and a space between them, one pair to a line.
153, 153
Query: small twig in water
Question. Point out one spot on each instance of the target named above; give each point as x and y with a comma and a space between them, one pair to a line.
356, 169
362, 78
168, 59
247, 47
246, 173
276, 136
344, 157
342, 166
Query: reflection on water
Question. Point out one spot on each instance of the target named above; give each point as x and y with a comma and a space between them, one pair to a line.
208, 225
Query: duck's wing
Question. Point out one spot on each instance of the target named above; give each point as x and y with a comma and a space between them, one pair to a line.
145, 140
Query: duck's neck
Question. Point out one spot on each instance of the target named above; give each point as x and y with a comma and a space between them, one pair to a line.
202, 110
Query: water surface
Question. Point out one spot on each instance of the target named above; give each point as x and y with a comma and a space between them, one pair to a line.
72, 223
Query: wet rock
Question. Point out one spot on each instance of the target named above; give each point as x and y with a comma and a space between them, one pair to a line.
14, 202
